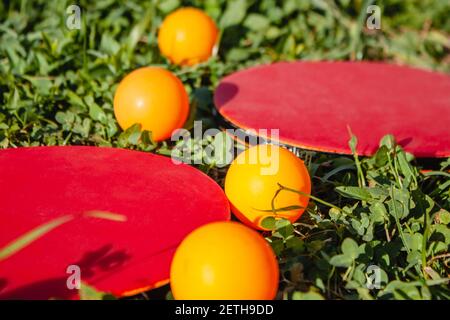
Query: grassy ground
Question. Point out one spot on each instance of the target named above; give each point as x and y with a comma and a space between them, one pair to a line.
57, 85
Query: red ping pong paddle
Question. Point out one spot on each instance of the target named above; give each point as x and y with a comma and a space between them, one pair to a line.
314, 103
162, 202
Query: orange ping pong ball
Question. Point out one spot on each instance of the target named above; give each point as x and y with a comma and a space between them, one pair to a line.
224, 261
187, 36
252, 182
153, 97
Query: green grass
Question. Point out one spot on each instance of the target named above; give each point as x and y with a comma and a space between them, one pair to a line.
57, 85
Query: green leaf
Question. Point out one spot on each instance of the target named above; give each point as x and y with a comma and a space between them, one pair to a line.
354, 193
277, 246
381, 156
296, 244
353, 142
405, 166
358, 226
443, 216
350, 248
364, 293
402, 290
388, 141
268, 223
139, 29
378, 212
65, 118
234, 13
109, 45
131, 136
284, 227
414, 258
315, 245
311, 295
88, 292
414, 241
74, 98
96, 113
256, 22
14, 99
341, 260
167, 6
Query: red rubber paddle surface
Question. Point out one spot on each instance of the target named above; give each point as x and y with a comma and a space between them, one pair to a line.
162, 203
313, 103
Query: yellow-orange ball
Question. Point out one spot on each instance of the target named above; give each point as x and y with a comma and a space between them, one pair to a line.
153, 97
252, 182
224, 261
187, 36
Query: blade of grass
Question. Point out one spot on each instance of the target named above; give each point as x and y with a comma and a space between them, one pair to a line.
310, 196
32, 236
